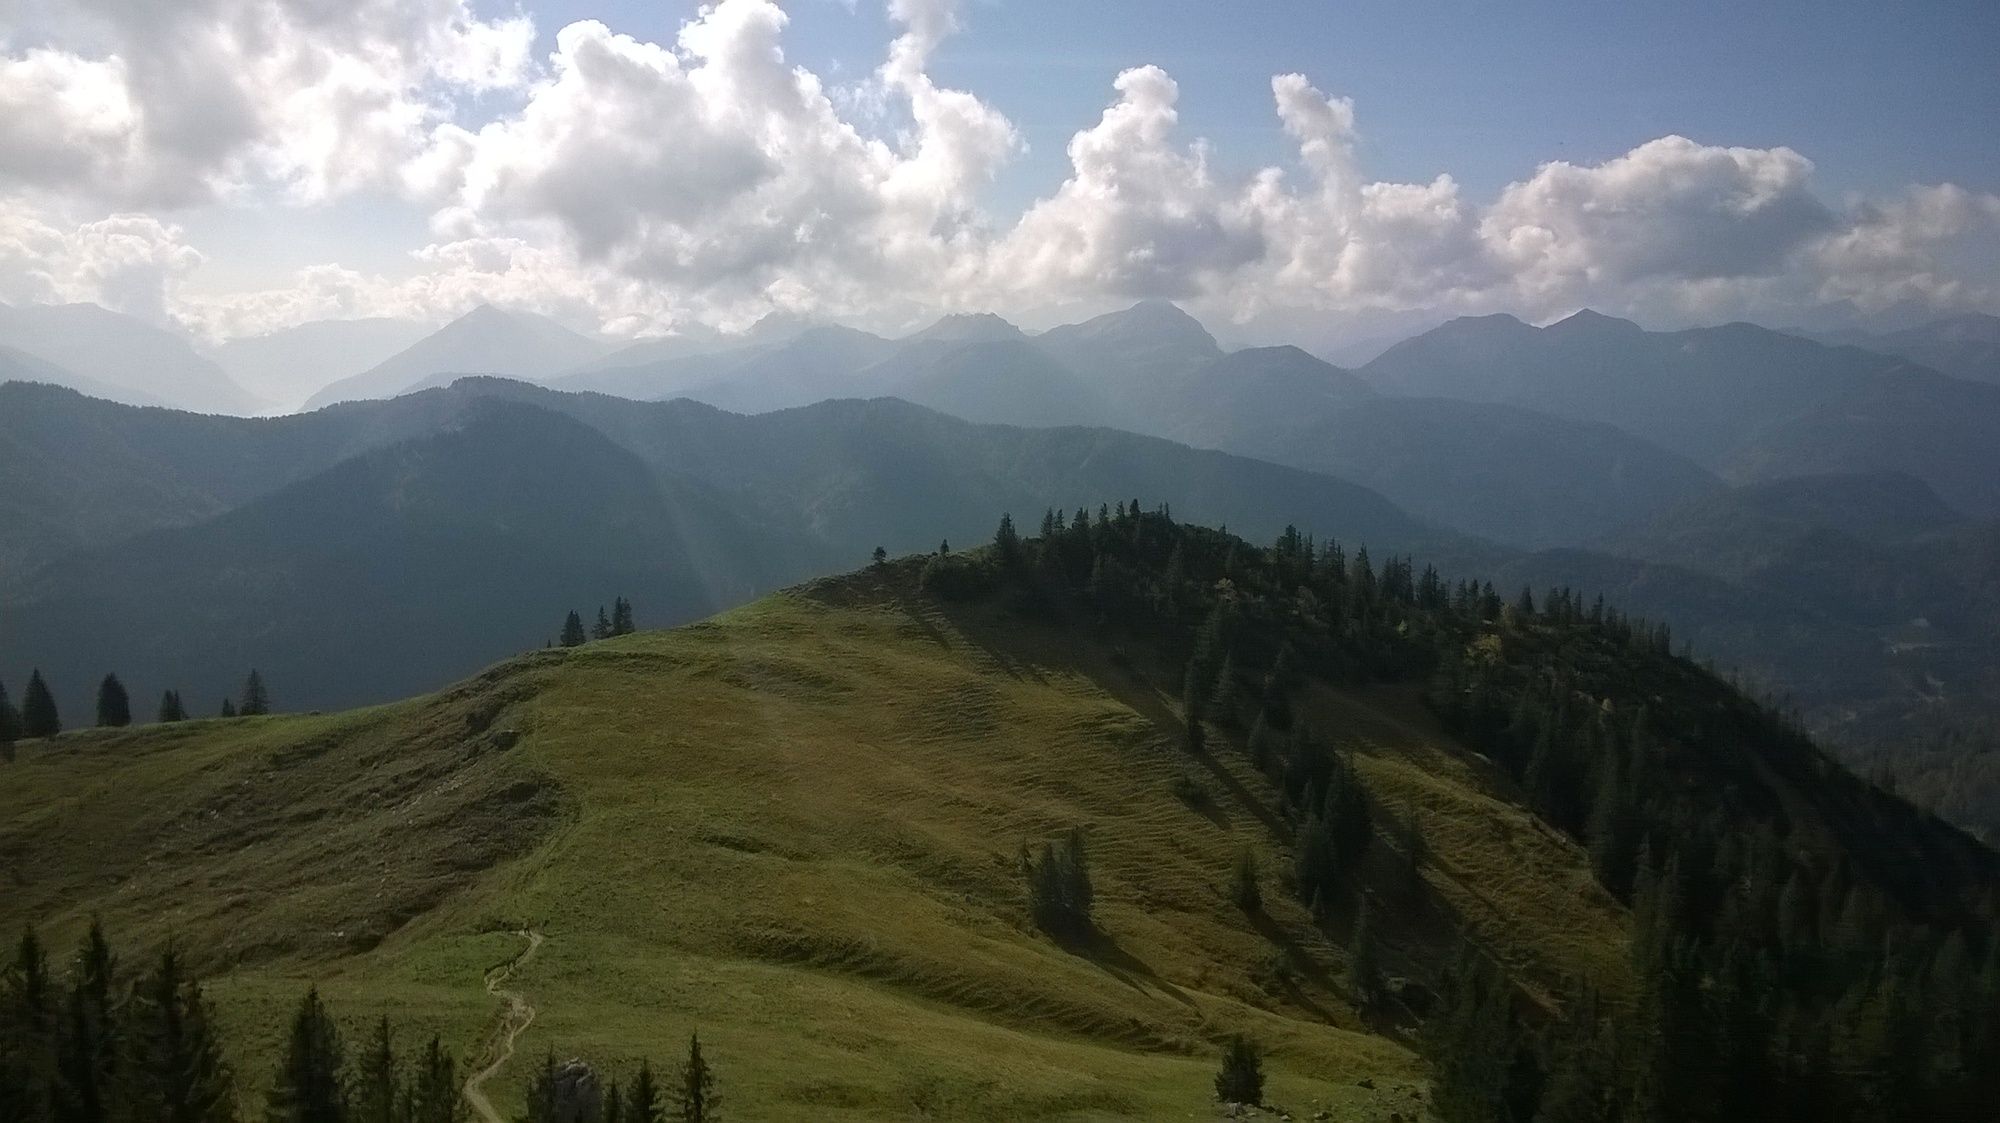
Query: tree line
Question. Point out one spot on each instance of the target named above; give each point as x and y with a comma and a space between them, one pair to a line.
616, 623
1805, 944
39, 716
98, 1044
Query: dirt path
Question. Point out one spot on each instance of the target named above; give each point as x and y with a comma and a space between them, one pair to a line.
515, 1018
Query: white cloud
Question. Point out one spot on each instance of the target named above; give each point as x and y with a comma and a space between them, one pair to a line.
127, 262
642, 184
178, 102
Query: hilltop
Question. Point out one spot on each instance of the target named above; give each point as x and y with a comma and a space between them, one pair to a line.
797, 826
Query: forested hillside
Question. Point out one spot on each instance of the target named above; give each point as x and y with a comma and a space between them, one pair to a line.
1426, 847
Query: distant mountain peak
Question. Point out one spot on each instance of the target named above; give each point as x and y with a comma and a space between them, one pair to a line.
970, 327
1587, 320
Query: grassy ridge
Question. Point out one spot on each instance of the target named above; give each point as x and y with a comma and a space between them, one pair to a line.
795, 827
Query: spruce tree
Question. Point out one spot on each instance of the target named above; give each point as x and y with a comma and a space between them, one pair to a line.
698, 1098
38, 709
1007, 541
256, 701
10, 719
880, 556
178, 1074
114, 706
644, 1102
377, 1085
572, 629
621, 617
171, 709
1243, 887
228, 708
307, 1087
1364, 962
601, 629
28, 1023
434, 1095
1241, 1079
614, 1104
89, 1046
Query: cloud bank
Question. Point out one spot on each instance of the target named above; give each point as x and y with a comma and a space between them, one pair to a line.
637, 184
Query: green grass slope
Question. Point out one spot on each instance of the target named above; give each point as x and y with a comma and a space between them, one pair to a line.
795, 827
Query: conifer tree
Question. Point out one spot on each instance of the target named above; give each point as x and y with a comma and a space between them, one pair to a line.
228, 708
114, 706
89, 1046
178, 1074
544, 1088
614, 1104
621, 618
697, 1092
572, 630
1364, 961
880, 556
601, 629
256, 701
1243, 887
28, 1022
1241, 1080
38, 709
171, 709
10, 719
434, 1095
307, 1087
643, 1100
377, 1084
1007, 541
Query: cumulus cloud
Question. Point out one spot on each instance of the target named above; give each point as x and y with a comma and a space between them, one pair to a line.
643, 184
181, 102
127, 262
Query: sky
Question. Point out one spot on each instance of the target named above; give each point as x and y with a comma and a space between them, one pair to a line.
1285, 170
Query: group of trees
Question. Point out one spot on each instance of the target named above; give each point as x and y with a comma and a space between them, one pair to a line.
1806, 945
38, 715
617, 623
572, 1092
1060, 897
96, 1044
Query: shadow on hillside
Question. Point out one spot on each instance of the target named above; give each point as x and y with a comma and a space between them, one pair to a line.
1102, 949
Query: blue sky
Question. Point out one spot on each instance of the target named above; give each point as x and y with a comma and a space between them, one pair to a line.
1876, 94
161, 160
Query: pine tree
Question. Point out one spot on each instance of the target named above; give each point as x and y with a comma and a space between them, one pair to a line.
1243, 887
880, 556
171, 709
307, 1087
434, 1095
89, 1046
1007, 541
1241, 1080
377, 1084
178, 1074
28, 1019
10, 719
643, 1101
228, 708
614, 1104
1364, 961
621, 618
114, 706
601, 629
698, 1098
256, 701
572, 630
38, 709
